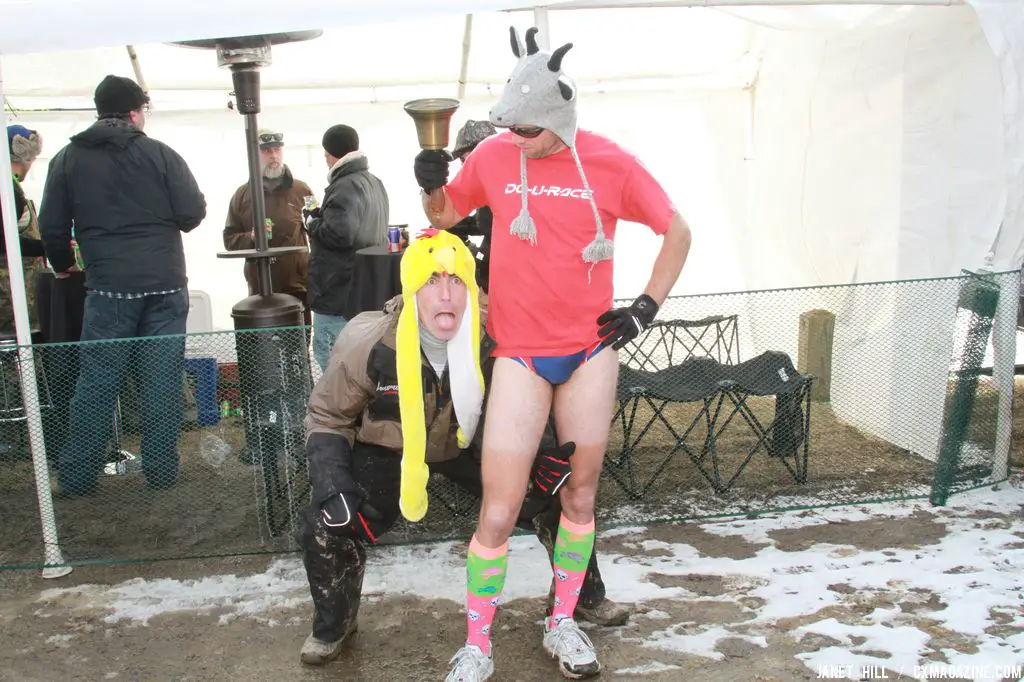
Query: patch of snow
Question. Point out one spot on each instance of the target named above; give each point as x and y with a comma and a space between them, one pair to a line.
652, 668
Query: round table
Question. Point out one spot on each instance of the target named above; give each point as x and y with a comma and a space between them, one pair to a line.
376, 279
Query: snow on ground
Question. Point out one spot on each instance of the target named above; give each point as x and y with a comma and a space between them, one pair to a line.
975, 569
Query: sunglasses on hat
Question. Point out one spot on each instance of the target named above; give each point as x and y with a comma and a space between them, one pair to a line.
527, 132
268, 138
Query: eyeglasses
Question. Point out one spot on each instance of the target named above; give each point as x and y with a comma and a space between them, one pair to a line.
267, 138
528, 132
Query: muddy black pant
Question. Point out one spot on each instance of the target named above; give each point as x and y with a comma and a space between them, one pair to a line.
335, 559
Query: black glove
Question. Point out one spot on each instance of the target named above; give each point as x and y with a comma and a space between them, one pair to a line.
347, 512
431, 168
309, 214
619, 326
340, 499
551, 469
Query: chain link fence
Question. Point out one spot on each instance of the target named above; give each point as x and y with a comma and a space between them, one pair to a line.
729, 404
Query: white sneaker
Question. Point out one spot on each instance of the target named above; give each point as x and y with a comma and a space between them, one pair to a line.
576, 656
470, 664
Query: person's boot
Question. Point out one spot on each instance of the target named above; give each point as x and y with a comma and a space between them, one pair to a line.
316, 652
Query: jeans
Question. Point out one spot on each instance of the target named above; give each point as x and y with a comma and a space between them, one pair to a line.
104, 364
325, 332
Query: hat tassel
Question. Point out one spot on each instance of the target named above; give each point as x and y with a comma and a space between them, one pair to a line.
601, 248
523, 225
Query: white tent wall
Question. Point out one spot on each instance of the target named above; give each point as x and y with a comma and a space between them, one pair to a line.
878, 155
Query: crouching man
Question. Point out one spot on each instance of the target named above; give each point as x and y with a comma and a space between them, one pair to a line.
355, 441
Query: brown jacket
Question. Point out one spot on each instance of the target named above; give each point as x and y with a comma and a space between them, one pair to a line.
357, 397
288, 273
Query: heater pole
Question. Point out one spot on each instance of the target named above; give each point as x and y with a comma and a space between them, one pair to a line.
259, 209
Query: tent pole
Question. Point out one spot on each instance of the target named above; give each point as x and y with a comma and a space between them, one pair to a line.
54, 566
137, 68
540, 20
467, 38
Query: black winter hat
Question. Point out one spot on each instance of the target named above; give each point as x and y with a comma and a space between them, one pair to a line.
118, 95
339, 140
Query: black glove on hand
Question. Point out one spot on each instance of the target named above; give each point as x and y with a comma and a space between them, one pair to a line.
551, 468
619, 326
347, 512
340, 499
431, 168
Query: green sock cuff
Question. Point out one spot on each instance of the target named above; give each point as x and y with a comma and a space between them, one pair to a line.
485, 577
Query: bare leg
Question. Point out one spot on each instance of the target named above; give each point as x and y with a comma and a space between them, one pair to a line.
517, 410
583, 415
583, 412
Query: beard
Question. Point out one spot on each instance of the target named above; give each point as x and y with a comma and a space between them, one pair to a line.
273, 173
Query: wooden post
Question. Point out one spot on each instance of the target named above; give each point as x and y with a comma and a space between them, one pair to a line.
814, 351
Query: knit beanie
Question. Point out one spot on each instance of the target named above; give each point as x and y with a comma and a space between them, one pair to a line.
118, 95
435, 251
470, 135
340, 140
25, 145
539, 94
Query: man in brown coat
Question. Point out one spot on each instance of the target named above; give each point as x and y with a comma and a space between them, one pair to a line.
284, 197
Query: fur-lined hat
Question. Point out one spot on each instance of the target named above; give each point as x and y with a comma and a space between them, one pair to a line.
25, 145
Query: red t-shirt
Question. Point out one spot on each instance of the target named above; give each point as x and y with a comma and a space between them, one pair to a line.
541, 302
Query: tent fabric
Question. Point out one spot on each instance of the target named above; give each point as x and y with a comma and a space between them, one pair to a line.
108, 23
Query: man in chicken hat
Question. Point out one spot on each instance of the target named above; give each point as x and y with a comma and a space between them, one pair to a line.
556, 193
401, 398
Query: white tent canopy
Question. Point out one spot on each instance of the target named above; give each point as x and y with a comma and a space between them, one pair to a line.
807, 143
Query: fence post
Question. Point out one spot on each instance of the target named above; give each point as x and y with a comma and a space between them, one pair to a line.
814, 351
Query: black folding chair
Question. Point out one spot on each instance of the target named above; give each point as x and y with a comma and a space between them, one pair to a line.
722, 391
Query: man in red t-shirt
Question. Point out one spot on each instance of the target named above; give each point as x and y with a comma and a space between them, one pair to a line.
556, 194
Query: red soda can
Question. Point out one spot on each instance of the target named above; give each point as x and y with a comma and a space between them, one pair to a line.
394, 239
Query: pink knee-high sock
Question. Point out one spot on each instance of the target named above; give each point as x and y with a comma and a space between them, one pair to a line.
574, 544
485, 579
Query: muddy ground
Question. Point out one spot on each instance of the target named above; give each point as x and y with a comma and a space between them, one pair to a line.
62, 639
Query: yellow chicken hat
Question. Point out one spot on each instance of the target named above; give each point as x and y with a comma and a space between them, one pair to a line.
432, 252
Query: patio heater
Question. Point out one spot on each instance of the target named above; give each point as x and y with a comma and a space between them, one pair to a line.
270, 341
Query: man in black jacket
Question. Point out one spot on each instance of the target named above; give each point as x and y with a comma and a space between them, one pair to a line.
353, 215
129, 198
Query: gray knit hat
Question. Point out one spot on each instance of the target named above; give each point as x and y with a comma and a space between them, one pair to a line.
470, 135
539, 94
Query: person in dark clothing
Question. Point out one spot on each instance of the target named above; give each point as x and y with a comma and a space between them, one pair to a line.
129, 199
353, 216
478, 224
362, 433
